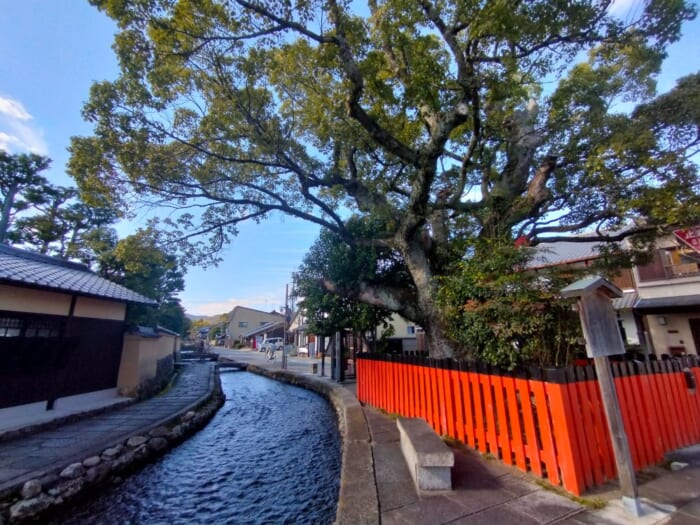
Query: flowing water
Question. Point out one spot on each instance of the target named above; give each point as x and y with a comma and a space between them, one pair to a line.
270, 455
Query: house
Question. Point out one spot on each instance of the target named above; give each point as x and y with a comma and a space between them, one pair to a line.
660, 308
669, 295
582, 255
242, 320
61, 328
406, 336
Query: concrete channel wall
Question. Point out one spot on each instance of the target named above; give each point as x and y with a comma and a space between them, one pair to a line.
358, 502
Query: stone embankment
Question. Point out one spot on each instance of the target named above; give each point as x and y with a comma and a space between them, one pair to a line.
53, 490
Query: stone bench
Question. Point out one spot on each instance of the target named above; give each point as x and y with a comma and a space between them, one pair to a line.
429, 459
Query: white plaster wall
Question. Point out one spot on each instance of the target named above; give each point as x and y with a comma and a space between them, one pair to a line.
676, 332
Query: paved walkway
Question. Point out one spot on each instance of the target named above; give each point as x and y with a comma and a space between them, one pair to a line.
31, 456
485, 491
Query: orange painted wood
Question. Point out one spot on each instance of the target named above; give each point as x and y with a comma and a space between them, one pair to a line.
671, 409
502, 427
662, 416
628, 420
478, 407
607, 456
460, 433
449, 404
517, 439
490, 414
680, 390
532, 445
544, 423
565, 439
469, 412
442, 399
643, 388
580, 409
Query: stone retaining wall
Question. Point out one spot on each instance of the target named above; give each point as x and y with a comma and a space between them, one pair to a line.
58, 488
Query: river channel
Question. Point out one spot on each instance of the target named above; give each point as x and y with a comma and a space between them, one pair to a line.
270, 455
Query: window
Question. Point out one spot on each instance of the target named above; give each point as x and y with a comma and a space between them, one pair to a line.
411, 330
10, 327
30, 327
242, 324
42, 328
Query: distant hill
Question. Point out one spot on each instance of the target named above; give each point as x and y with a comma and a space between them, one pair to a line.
208, 319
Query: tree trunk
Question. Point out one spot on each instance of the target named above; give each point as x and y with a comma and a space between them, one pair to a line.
431, 321
5, 212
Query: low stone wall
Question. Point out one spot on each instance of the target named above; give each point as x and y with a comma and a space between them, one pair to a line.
64, 485
357, 499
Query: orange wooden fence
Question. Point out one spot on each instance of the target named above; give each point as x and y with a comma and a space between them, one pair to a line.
545, 421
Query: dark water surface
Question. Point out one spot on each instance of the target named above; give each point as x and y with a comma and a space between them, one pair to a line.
270, 455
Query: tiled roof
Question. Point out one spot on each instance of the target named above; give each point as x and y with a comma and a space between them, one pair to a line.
555, 253
33, 269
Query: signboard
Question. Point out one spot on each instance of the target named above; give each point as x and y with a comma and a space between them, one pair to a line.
689, 237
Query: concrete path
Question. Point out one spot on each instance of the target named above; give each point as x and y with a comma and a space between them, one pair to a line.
31, 456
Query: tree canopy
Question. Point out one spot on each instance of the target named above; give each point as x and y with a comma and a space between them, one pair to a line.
447, 122
21, 186
332, 264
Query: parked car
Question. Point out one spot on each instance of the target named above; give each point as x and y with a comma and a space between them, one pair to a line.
274, 343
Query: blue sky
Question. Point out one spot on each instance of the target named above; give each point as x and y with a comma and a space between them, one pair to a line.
50, 53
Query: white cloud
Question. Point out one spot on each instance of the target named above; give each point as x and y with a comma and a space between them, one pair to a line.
13, 109
17, 133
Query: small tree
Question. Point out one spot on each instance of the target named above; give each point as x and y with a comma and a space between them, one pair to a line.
332, 262
21, 186
500, 312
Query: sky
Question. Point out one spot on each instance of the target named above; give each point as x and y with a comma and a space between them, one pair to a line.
51, 51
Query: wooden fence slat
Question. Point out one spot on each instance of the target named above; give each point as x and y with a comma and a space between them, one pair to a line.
544, 423
564, 435
516, 438
502, 430
490, 414
469, 401
630, 424
533, 445
479, 422
592, 474
460, 433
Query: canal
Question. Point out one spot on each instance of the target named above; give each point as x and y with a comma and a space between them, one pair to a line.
270, 455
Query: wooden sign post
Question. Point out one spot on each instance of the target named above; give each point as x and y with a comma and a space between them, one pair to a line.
603, 339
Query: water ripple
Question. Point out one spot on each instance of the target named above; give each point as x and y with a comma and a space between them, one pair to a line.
270, 455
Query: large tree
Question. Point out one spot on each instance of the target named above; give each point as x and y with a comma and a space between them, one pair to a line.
448, 121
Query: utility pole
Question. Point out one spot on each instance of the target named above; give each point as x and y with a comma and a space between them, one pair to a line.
284, 334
